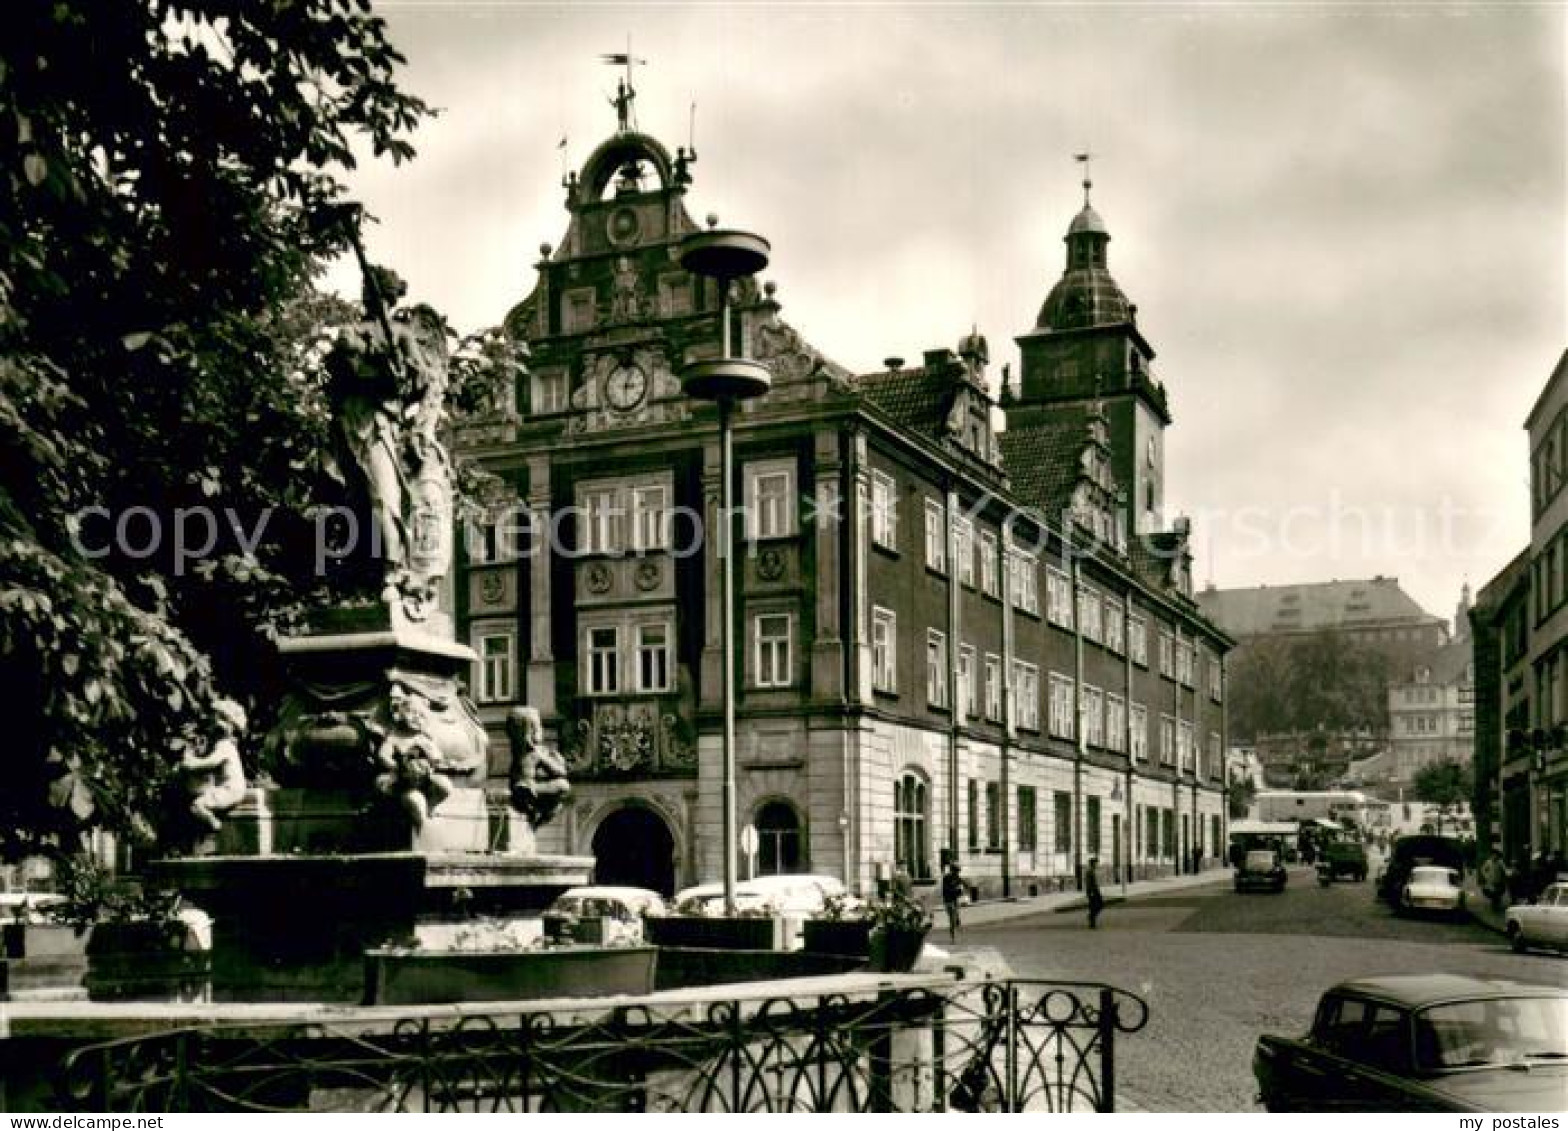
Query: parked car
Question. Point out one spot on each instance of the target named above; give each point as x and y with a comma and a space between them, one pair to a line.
1413, 852
1433, 1042
621, 910
1260, 868
1341, 859
794, 898
1430, 888
1543, 923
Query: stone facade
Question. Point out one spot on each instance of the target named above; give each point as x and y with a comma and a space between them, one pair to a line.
936, 655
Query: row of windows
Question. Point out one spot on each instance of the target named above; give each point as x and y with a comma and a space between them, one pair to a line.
1101, 617
979, 689
622, 515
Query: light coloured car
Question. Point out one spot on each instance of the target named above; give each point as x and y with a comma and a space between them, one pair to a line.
1543, 923
792, 898
1432, 888
620, 910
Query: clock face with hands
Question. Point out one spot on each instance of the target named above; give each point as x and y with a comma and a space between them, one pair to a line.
626, 386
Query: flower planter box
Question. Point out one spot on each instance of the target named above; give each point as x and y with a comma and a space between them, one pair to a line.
42, 960
147, 962
398, 976
838, 936
896, 951
715, 933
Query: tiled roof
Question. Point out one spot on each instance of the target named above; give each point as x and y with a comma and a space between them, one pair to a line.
915, 399
1446, 665
1370, 603
1041, 458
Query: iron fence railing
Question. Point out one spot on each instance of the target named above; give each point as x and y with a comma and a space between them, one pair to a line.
966, 1046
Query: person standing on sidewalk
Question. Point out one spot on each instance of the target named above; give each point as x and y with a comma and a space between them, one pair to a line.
1091, 891
952, 892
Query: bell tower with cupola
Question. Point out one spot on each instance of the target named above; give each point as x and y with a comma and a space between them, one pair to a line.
1086, 352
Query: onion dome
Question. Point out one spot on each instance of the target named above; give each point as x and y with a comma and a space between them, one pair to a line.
1086, 295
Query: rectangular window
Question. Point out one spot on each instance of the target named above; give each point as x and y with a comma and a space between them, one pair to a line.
1216, 681
974, 815
1024, 583
602, 519
496, 662
1064, 821
1184, 663
1058, 597
968, 682
1151, 839
1091, 825
771, 653
936, 668
1140, 733
884, 510
770, 499
988, 579
884, 650
1168, 823
1216, 756
993, 687
936, 536
1089, 614
1093, 716
1115, 722
653, 657
1062, 706
993, 816
1028, 834
1167, 741
650, 518
549, 393
604, 660
1138, 641
1115, 624
964, 549
1167, 655
1026, 695
1186, 748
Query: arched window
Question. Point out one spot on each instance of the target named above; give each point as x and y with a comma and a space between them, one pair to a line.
911, 826
779, 848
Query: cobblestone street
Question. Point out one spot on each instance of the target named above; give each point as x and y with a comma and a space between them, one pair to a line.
1219, 968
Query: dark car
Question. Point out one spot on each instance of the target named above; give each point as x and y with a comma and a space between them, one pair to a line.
1260, 869
1342, 859
1412, 852
1431, 1042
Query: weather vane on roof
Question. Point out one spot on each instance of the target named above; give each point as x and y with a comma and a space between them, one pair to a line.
1083, 159
625, 92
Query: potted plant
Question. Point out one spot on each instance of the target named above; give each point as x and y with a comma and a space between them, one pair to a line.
701, 923
140, 943
898, 933
842, 927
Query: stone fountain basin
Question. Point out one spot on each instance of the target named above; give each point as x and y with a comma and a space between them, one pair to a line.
420, 976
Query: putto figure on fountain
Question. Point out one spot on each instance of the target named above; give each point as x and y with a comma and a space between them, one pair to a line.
388, 386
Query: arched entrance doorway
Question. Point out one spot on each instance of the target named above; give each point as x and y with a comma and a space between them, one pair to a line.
780, 840
633, 847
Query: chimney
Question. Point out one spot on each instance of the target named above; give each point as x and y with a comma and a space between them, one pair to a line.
893, 364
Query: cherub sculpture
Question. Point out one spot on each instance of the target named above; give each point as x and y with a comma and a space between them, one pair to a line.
217, 778
409, 760
538, 777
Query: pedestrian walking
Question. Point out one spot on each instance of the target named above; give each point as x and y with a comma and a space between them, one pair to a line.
1091, 891
952, 892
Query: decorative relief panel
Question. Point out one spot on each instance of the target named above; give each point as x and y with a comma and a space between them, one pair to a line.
602, 580
773, 566
653, 397
492, 590
643, 737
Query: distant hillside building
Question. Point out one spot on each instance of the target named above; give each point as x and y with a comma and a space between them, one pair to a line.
1374, 611
1431, 713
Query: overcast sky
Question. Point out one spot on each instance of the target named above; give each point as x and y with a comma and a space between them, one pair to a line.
1343, 225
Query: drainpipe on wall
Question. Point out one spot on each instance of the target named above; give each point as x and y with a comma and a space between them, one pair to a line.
1003, 557
950, 532
1132, 829
1078, 739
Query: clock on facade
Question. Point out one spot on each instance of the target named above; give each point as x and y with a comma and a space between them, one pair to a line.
625, 387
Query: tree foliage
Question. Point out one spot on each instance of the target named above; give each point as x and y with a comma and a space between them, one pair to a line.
171, 184
1448, 785
1323, 682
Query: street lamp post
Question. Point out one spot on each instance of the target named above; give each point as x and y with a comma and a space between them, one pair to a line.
726, 255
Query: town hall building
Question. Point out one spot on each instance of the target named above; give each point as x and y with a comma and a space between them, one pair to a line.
954, 639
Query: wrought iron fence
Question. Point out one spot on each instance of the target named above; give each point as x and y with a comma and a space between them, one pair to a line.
964, 1046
